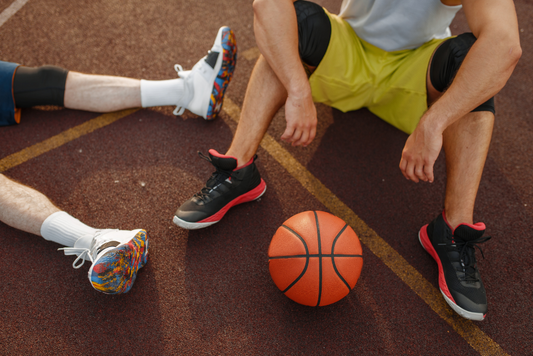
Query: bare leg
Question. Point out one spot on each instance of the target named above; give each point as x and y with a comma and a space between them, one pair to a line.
101, 93
466, 144
23, 207
264, 96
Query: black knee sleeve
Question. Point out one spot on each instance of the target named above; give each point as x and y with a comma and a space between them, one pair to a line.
446, 62
39, 86
314, 32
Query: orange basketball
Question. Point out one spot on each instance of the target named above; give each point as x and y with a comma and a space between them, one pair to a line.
315, 258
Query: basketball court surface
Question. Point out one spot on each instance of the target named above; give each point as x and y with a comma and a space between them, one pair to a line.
209, 292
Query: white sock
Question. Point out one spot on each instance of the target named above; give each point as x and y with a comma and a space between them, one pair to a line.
163, 92
64, 229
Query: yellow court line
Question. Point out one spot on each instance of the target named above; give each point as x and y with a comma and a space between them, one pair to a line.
58, 140
407, 273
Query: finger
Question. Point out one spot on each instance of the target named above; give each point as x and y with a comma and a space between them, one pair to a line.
289, 131
410, 171
312, 135
419, 172
428, 170
303, 138
295, 137
403, 167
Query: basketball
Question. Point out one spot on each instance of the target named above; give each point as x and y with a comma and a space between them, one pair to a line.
315, 258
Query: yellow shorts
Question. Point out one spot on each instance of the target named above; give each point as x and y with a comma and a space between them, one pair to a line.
354, 74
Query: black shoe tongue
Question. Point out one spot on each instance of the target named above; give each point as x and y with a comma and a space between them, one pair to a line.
225, 163
211, 58
468, 233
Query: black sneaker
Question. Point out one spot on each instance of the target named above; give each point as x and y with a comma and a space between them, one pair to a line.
454, 251
227, 187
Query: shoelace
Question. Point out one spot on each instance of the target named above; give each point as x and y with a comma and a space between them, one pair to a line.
185, 75
219, 176
83, 252
179, 110
467, 255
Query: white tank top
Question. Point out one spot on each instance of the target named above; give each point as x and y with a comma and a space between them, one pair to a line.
394, 25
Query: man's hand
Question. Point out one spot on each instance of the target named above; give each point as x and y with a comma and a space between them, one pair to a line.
420, 153
300, 114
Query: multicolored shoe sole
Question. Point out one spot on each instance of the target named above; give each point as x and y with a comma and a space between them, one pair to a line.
115, 271
229, 59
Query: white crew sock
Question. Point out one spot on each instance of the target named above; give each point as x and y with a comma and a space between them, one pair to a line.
164, 92
64, 229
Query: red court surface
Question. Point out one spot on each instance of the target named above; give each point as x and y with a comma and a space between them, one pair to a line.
209, 292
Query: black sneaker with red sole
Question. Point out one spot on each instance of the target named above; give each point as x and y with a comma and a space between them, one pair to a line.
228, 186
454, 251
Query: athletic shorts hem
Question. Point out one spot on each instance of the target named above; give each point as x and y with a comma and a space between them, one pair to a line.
9, 115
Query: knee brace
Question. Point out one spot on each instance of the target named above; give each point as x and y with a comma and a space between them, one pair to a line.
314, 32
39, 86
446, 62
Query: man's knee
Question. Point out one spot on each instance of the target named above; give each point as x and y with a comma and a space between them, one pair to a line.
39, 86
314, 32
447, 60
482, 118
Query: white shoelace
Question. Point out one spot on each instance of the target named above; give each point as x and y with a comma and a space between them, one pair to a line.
81, 252
84, 252
179, 108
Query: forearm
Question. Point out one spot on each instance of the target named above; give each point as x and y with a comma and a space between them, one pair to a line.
276, 32
486, 68
483, 73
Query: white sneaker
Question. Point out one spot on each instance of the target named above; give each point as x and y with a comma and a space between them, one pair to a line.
116, 256
210, 77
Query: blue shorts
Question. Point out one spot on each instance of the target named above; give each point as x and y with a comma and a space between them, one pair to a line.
8, 114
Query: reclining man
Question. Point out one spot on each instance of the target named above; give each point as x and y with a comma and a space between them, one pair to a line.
116, 255
397, 59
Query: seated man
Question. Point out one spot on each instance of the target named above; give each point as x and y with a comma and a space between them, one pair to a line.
397, 59
116, 255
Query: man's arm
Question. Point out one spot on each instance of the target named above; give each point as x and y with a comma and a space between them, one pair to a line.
484, 72
276, 33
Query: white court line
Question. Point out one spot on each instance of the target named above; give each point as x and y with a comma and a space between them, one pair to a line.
11, 10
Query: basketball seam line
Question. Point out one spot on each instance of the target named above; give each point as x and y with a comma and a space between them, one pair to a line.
306, 260
319, 261
333, 259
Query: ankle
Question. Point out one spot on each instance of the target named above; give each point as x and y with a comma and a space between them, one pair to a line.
64, 229
242, 159
164, 93
455, 219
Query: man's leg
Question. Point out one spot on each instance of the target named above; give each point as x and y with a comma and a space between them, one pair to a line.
265, 95
22, 207
466, 144
451, 238
200, 90
102, 93
236, 179
116, 255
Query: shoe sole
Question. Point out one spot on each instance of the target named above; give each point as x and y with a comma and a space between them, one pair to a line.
443, 286
115, 270
225, 73
252, 195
